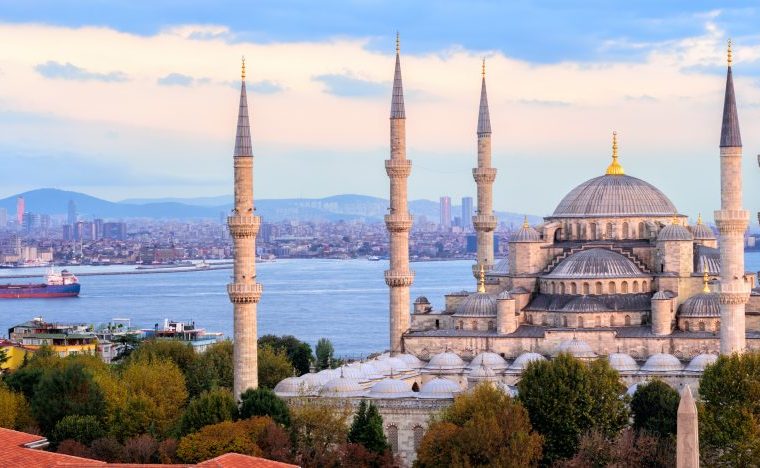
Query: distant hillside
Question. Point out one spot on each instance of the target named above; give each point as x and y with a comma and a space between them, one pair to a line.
335, 208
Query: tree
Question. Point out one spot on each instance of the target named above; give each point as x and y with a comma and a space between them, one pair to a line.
654, 407
141, 449
325, 353
83, 429
63, 391
318, 431
211, 369
298, 352
566, 397
3, 358
264, 402
367, 429
14, 410
218, 439
273, 366
209, 408
127, 343
729, 420
482, 428
628, 448
182, 354
107, 449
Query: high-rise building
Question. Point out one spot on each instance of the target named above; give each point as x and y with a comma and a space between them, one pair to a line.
20, 207
72, 219
115, 231
467, 212
98, 228
445, 212
30, 222
3, 218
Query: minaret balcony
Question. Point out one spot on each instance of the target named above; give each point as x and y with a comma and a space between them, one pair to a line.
484, 174
732, 221
399, 278
244, 293
244, 226
398, 222
398, 168
484, 222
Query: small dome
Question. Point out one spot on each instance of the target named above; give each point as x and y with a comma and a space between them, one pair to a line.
482, 373
701, 305
397, 365
674, 232
479, 304
700, 362
391, 388
342, 387
510, 390
382, 366
329, 374
622, 362
445, 361
411, 360
526, 234
439, 388
352, 372
488, 359
370, 370
421, 300
504, 296
702, 232
291, 386
576, 348
595, 263
662, 362
524, 359
660, 296
313, 381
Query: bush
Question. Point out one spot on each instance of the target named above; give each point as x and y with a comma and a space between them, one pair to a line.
264, 402
107, 449
83, 429
74, 448
209, 408
141, 449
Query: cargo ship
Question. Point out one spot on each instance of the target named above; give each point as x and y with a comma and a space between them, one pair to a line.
63, 284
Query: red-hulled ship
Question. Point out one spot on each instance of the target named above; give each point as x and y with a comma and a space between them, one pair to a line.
63, 284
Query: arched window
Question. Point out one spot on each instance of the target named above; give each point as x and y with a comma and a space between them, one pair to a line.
586, 288
573, 288
415, 387
627, 320
598, 321
686, 326
437, 324
642, 231
393, 437
611, 288
592, 231
491, 326
612, 320
644, 286
418, 433
580, 322
624, 287
461, 325
610, 231
717, 326
564, 320
544, 320
562, 288
701, 326
599, 287
635, 286
551, 288
626, 234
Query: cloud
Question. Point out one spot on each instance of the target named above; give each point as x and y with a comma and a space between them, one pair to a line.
69, 71
267, 87
176, 79
347, 85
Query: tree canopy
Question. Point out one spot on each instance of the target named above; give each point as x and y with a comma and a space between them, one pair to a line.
298, 352
209, 408
367, 429
263, 402
654, 407
273, 366
325, 352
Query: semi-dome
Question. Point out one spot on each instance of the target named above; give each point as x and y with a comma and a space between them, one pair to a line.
291, 386
700, 362
445, 361
614, 195
595, 263
576, 348
622, 362
488, 359
585, 304
662, 362
391, 388
674, 232
661, 296
524, 359
479, 304
342, 387
439, 388
701, 305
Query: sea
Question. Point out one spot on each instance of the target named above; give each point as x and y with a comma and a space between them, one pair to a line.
343, 300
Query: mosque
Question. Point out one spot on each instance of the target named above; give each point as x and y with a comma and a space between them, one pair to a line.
616, 273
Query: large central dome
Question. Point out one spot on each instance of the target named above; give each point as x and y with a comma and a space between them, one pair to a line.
614, 195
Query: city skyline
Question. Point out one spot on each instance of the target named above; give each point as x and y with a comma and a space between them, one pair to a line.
155, 97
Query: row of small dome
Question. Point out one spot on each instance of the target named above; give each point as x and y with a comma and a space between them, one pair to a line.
345, 387
671, 232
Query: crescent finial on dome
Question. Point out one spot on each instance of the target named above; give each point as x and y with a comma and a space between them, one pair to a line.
705, 281
615, 168
482, 279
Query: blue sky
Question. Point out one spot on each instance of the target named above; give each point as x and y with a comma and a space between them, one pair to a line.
144, 94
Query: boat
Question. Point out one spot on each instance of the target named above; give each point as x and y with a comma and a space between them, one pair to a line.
159, 266
373, 258
63, 284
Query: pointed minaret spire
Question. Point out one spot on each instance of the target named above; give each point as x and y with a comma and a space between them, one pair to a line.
397, 102
484, 118
243, 145
729, 132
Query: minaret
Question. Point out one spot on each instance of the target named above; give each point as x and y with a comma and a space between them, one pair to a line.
732, 221
484, 175
244, 292
399, 277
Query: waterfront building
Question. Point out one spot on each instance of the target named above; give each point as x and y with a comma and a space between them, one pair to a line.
63, 339
186, 332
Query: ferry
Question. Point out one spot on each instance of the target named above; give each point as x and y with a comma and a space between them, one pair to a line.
63, 284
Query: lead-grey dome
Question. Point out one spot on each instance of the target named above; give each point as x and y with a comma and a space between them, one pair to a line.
701, 305
576, 348
614, 195
702, 232
662, 362
526, 234
700, 362
595, 263
622, 362
674, 232
479, 304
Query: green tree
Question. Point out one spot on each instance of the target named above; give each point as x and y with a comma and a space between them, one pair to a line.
211, 369
3, 358
273, 366
63, 391
367, 429
210, 407
83, 429
298, 352
182, 354
654, 407
325, 353
729, 420
484, 427
263, 402
566, 397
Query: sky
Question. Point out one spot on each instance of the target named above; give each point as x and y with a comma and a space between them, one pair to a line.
123, 99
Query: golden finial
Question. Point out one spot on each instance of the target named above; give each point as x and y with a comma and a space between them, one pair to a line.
483, 68
699, 219
398, 43
705, 281
243, 74
730, 55
675, 219
615, 168
525, 222
482, 279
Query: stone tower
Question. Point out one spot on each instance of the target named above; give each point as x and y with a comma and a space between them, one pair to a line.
484, 175
244, 292
732, 221
398, 277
